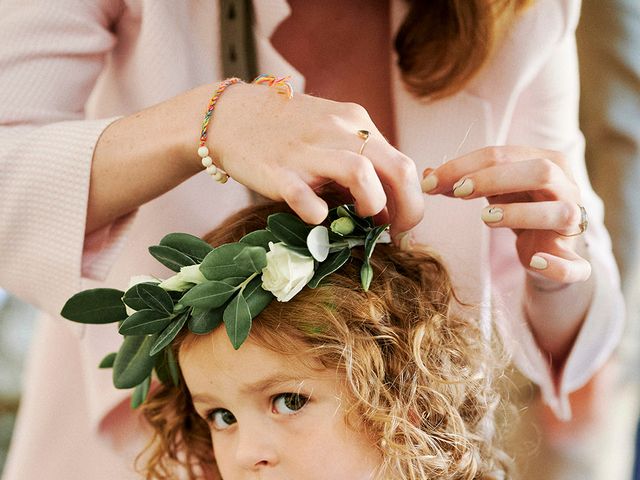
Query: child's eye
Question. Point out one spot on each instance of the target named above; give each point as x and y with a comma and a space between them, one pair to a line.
289, 403
222, 419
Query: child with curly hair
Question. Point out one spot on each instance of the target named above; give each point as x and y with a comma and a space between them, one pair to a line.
395, 382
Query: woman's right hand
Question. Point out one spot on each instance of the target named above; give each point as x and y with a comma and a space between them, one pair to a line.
288, 149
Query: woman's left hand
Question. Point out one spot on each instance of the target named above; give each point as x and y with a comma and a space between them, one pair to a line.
531, 191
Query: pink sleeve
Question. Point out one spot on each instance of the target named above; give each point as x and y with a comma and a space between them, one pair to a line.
546, 116
51, 54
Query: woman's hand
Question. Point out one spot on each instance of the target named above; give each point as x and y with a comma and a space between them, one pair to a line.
529, 190
288, 149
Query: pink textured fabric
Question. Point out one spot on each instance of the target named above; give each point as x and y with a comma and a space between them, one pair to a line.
68, 68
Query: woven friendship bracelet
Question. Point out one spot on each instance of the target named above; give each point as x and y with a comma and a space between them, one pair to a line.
218, 174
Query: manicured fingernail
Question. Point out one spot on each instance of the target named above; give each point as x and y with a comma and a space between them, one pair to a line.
538, 263
492, 214
429, 183
463, 187
404, 240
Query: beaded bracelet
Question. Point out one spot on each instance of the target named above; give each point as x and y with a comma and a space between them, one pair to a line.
218, 174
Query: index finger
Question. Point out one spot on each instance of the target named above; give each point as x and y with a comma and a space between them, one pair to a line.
443, 177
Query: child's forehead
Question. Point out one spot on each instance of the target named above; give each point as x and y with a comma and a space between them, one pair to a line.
212, 359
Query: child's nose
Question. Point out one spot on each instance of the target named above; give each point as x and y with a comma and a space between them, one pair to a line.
256, 449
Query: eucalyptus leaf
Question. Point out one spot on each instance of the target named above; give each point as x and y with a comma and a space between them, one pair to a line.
96, 306
220, 264
169, 333
155, 298
257, 297
170, 257
289, 229
208, 295
145, 322
318, 243
259, 238
203, 321
133, 362
237, 320
253, 259
190, 245
366, 275
107, 362
333, 262
140, 393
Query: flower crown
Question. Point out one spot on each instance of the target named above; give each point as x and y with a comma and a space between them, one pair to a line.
229, 284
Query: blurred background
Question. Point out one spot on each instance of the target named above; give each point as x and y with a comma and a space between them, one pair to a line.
600, 442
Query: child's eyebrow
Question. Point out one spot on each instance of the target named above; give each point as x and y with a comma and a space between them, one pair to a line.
270, 381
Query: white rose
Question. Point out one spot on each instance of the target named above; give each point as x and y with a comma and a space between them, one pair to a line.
286, 273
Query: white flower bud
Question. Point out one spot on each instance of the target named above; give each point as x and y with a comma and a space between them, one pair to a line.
192, 274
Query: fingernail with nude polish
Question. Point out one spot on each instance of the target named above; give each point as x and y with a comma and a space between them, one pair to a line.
538, 263
492, 214
463, 187
429, 183
404, 241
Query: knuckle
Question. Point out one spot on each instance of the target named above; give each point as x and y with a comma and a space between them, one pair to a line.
569, 214
495, 155
293, 193
548, 172
404, 168
359, 170
355, 110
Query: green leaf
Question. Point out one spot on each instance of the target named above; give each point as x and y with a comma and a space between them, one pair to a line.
132, 297
169, 333
140, 393
155, 298
133, 362
253, 259
98, 305
145, 322
208, 295
366, 275
220, 263
170, 257
289, 229
166, 368
259, 238
370, 241
257, 297
333, 262
107, 362
204, 321
234, 281
237, 320
188, 244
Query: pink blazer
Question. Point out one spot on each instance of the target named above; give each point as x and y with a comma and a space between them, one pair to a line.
69, 68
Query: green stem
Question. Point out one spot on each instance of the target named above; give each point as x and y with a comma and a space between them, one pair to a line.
246, 282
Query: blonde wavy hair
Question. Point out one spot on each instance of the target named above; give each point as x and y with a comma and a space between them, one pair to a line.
417, 366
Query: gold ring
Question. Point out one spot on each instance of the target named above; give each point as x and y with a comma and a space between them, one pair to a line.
364, 135
584, 223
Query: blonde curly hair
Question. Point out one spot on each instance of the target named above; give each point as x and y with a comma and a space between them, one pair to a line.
418, 369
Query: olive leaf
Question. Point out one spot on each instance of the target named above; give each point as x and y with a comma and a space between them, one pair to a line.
97, 305
155, 298
333, 262
169, 333
257, 297
170, 257
366, 275
188, 244
208, 295
289, 229
133, 362
203, 321
259, 238
220, 264
140, 393
107, 361
237, 320
132, 297
144, 322
252, 259
166, 368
